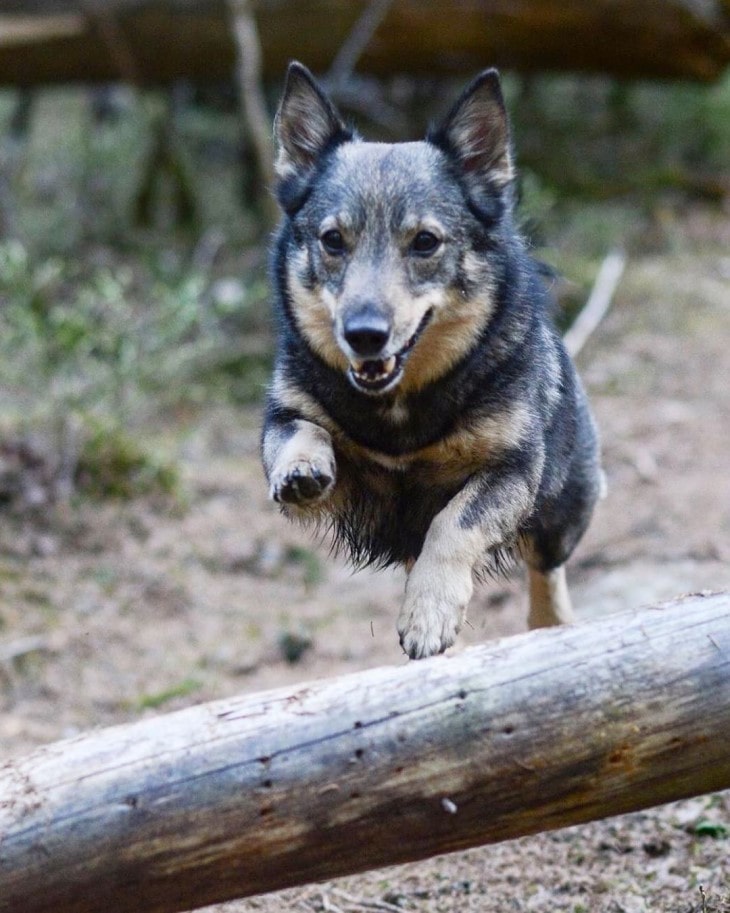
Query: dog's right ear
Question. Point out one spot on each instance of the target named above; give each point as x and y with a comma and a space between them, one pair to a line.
306, 125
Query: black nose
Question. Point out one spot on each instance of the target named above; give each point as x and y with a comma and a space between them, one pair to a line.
367, 331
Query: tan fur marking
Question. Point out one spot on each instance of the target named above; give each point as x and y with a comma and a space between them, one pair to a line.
465, 451
549, 599
446, 341
309, 443
315, 316
439, 587
486, 438
293, 397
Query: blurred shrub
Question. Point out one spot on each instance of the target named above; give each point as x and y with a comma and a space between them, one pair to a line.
89, 355
82, 175
102, 342
112, 463
598, 138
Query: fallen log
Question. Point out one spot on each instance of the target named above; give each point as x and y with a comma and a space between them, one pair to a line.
265, 791
192, 39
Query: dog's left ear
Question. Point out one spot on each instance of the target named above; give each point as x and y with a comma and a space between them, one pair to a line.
476, 132
306, 124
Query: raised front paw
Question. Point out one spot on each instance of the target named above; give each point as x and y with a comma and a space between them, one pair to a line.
302, 483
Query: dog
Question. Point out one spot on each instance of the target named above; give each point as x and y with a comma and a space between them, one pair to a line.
422, 405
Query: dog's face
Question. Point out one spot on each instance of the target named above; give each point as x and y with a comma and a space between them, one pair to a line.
392, 265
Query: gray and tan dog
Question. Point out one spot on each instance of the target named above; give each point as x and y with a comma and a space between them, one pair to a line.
422, 404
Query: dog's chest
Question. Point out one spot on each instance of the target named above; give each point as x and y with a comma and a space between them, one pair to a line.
445, 463
382, 513
473, 441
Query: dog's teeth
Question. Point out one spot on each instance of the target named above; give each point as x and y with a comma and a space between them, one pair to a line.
374, 369
373, 372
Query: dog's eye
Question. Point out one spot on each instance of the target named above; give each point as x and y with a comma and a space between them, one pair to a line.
333, 242
425, 243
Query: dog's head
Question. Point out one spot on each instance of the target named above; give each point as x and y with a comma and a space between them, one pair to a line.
393, 247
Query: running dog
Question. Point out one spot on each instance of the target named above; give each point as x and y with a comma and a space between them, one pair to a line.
422, 404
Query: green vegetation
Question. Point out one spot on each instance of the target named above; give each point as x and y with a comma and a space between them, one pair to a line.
112, 464
294, 644
596, 138
102, 340
91, 354
183, 689
309, 561
711, 829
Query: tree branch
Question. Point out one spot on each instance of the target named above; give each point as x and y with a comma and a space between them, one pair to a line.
254, 114
599, 301
359, 38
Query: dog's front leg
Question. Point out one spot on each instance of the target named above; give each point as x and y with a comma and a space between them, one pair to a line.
299, 462
484, 515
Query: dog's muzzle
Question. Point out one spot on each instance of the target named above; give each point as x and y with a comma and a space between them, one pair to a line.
379, 375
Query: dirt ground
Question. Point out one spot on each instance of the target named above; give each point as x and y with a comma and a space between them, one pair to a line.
113, 611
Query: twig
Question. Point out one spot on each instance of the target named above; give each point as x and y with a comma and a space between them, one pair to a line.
12, 160
207, 249
115, 42
23, 647
255, 116
328, 906
365, 97
381, 905
362, 32
598, 302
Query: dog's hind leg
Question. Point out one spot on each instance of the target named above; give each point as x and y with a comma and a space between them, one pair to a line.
548, 544
549, 598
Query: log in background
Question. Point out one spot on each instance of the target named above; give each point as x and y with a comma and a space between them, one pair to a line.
265, 791
156, 41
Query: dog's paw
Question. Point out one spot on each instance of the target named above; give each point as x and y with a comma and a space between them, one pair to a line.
434, 607
303, 483
427, 628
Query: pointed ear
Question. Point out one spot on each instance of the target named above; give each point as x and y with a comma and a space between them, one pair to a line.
476, 133
306, 124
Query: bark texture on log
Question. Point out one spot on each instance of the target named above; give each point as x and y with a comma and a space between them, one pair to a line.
265, 791
191, 38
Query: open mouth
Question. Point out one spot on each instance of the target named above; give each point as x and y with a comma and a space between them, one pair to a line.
378, 375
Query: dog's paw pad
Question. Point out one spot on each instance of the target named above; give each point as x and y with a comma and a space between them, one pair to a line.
303, 484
